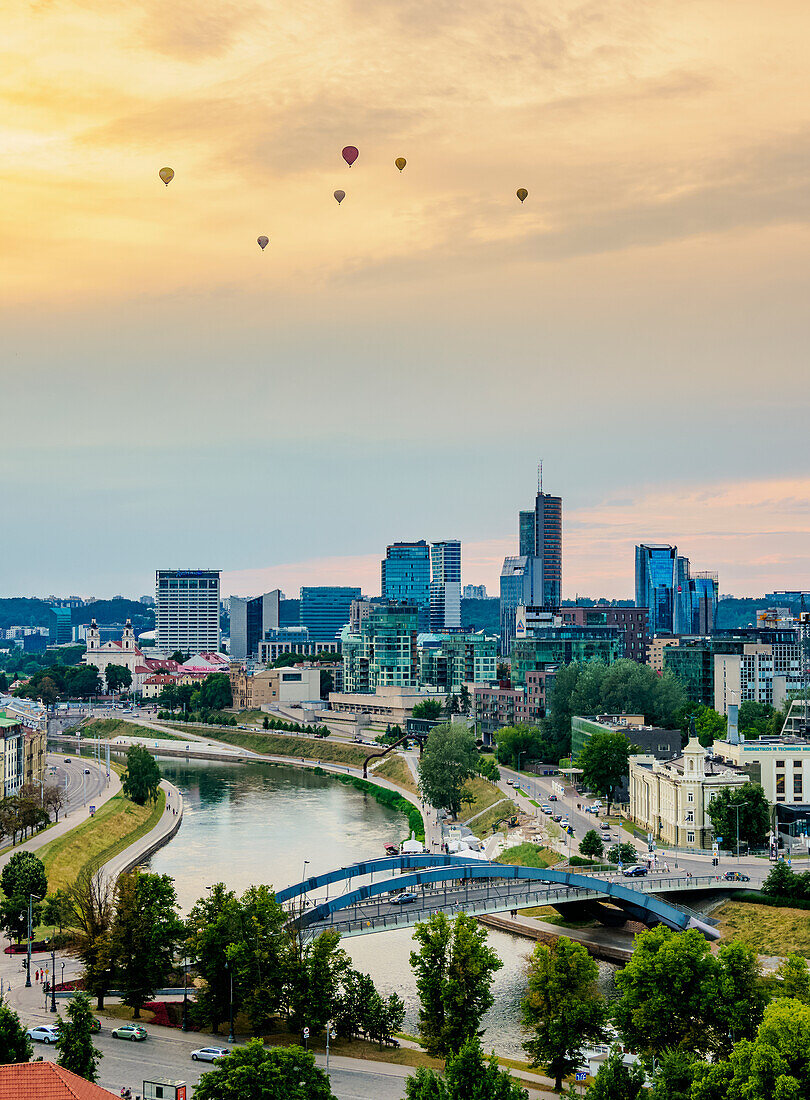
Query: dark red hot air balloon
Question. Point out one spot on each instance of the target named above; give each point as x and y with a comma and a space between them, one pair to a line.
350, 154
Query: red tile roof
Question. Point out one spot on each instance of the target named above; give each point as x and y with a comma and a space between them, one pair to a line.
46, 1081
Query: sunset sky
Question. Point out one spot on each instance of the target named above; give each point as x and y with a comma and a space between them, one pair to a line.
395, 367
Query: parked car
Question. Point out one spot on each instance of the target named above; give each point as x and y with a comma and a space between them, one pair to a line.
545, 809
736, 876
635, 872
565, 822
44, 1033
556, 817
130, 1031
209, 1054
404, 898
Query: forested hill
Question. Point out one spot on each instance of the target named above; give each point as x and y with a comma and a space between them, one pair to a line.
19, 611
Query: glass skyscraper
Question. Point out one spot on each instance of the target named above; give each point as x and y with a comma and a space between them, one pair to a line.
655, 585
703, 591
534, 578
405, 573
325, 610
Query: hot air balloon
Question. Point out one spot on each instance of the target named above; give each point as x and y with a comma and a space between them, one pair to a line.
167, 175
340, 196
350, 155
522, 193
400, 162
262, 242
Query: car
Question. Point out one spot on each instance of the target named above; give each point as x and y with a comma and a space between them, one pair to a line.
86, 771
556, 817
545, 809
44, 1033
604, 825
130, 1031
552, 798
565, 822
635, 872
736, 876
67, 759
209, 1054
597, 804
404, 898
391, 850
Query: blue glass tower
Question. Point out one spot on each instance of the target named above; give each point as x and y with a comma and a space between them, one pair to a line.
655, 585
324, 611
405, 573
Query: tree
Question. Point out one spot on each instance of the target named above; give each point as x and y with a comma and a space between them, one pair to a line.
621, 853
47, 691
793, 979
215, 691
754, 814
314, 979
467, 1076
23, 876
212, 926
616, 1081
782, 882
591, 844
464, 700
675, 994
282, 1073
90, 915
145, 933
563, 1008
168, 697
75, 1042
429, 709
56, 909
15, 1046
709, 726
754, 719
454, 969
449, 759
359, 1009
118, 677
53, 799
603, 760
259, 955
775, 1065
674, 1073
519, 743
142, 778
178, 657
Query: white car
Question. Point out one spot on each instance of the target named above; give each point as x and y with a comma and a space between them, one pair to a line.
209, 1054
565, 823
44, 1033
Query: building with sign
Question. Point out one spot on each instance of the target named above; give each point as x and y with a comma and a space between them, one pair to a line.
187, 610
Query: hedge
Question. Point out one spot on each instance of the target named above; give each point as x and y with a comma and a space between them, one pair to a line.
766, 899
385, 797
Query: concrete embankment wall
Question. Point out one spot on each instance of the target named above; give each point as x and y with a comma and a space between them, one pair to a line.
549, 933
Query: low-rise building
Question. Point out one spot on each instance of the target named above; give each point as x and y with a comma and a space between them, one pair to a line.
292, 639
670, 798
393, 704
656, 741
264, 687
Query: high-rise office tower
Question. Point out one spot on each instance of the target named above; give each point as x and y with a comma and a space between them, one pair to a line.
656, 565
250, 619
445, 586
325, 610
535, 576
682, 596
187, 610
703, 590
405, 573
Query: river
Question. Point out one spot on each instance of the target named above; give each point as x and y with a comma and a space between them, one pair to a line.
246, 824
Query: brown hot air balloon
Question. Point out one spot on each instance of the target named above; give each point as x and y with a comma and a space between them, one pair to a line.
400, 162
167, 175
262, 242
340, 196
522, 193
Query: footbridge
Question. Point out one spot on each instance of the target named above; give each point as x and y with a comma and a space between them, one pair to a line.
451, 884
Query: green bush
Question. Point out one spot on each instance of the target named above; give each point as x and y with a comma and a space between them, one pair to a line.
765, 899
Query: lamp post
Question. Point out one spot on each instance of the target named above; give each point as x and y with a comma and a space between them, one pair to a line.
231, 1036
53, 978
28, 948
737, 809
185, 993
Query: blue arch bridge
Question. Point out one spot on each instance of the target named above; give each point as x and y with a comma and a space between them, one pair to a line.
454, 884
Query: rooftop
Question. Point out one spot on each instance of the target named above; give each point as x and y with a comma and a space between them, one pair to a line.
46, 1081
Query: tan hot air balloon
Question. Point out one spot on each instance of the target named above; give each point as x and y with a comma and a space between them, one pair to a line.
167, 175
262, 242
400, 162
522, 193
340, 196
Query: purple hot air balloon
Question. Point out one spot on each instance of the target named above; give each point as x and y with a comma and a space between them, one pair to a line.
340, 196
350, 155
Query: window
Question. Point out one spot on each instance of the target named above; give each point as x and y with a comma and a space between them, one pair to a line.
690, 797
690, 838
797, 783
690, 817
780, 784
780, 763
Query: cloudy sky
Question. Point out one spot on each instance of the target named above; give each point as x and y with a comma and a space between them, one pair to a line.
395, 367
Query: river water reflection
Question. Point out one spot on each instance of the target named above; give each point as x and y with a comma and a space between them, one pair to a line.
256, 823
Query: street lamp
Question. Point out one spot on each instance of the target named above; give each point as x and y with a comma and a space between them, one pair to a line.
28, 950
53, 978
185, 992
231, 1036
521, 753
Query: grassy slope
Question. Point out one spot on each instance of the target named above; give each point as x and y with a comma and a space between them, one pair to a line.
769, 931
285, 744
485, 794
483, 825
115, 727
529, 855
117, 824
395, 769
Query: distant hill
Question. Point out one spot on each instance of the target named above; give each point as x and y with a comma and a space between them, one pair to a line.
18, 611
482, 615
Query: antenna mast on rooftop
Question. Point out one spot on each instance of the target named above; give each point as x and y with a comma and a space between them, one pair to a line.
540, 476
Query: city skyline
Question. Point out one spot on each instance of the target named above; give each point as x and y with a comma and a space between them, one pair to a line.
419, 347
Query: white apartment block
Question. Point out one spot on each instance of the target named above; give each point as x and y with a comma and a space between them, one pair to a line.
187, 610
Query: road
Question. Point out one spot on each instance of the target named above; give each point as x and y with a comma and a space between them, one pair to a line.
81, 779
169, 1057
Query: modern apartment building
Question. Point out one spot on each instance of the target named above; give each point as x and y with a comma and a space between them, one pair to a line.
291, 639
560, 645
325, 610
382, 651
631, 621
187, 610
448, 661
445, 586
521, 586
474, 592
250, 620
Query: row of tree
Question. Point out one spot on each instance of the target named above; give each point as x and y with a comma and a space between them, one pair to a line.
696, 1018
213, 694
